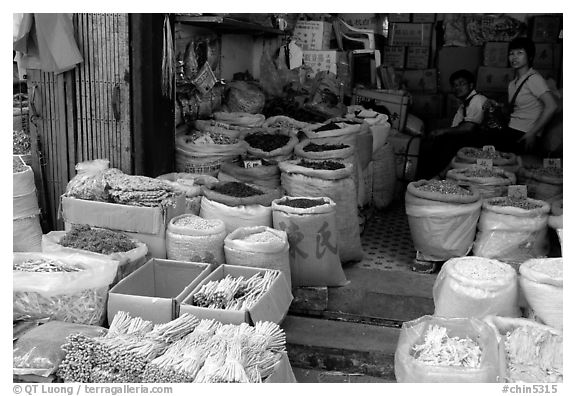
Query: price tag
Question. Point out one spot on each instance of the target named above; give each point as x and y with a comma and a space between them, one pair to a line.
518, 192
485, 162
490, 149
552, 163
252, 163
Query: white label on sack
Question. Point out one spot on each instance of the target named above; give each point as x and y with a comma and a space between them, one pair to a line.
252, 163
518, 191
552, 163
490, 149
485, 163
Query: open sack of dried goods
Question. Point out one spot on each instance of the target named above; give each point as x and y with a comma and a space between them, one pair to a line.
468, 156
240, 118
332, 179
543, 183
286, 123
204, 151
192, 238
384, 176
244, 96
555, 220
83, 239
270, 144
512, 229
183, 350
39, 351
259, 172
239, 294
307, 149
442, 217
473, 287
436, 349
189, 184
541, 281
259, 247
27, 233
490, 182
378, 123
238, 204
67, 287
310, 224
529, 352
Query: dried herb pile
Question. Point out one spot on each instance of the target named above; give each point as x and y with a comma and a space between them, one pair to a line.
267, 141
97, 240
302, 203
321, 165
236, 189
315, 148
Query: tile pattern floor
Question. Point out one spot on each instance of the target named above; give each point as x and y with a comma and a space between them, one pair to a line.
386, 240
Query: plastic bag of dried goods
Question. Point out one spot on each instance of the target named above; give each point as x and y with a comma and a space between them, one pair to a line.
489, 183
128, 261
265, 175
310, 223
260, 247
236, 216
192, 238
474, 287
67, 287
437, 349
39, 351
529, 351
244, 96
512, 233
442, 218
90, 182
541, 281
338, 185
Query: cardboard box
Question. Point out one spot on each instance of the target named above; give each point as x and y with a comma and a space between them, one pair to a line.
272, 306
321, 61
423, 18
371, 22
394, 56
546, 28
410, 34
420, 80
495, 54
155, 291
451, 59
396, 102
547, 55
493, 78
417, 57
282, 373
145, 224
313, 35
399, 17
427, 106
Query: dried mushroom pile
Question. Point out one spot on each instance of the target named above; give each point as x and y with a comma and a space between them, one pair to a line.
97, 240
444, 187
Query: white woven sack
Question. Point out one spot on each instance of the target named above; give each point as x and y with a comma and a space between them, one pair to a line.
543, 290
23, 182
271, 254
27, 234
187, 243
384, 176
25, 205
236, 216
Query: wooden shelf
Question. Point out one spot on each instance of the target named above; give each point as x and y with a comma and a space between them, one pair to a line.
227, 25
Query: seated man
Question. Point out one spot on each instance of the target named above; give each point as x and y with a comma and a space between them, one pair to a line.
440, 145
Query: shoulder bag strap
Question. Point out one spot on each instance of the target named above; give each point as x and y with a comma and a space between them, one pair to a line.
511, 103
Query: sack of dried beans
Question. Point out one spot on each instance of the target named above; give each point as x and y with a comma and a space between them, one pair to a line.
27, 233
541, 281
468, 156
67, 287
530, 352
310, 224
441, 350
512, 230
98, 242
442, 217
490, 182
192, 238
265, 175
474, 287
332, 179
543, 183
259, 247
271, 144
309, 149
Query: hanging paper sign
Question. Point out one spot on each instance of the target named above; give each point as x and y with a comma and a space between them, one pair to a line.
552, 163
490, 149
484, 163
518, 192
205, 79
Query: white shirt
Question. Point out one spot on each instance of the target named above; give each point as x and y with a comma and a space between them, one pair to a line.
474, 112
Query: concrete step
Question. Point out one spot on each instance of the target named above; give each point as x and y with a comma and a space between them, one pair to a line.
330, 377
395, 296
332, 345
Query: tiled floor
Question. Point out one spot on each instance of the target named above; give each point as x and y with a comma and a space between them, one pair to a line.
386, 240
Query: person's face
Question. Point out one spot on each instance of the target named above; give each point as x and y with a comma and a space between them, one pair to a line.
518, 58
461, 88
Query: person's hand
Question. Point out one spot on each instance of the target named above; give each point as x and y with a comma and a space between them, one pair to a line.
489, 104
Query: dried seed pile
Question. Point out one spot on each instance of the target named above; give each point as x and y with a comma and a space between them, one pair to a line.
195, 222
482, 154
302, 203
262, 237
209, 137
444, 187
97, 240
20, 142
549, 171
483, 172
321, 165
236, 189
267, 141
313, 147
234, 293
481, 269
439, 349
553, 269
515, 202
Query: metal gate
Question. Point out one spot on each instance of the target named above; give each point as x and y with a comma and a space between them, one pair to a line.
82, 114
